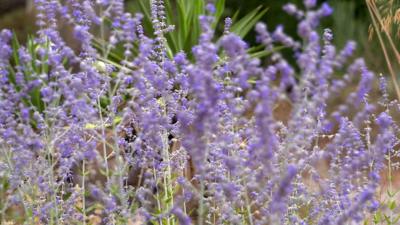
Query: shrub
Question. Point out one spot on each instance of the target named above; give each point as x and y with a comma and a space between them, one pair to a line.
221, 138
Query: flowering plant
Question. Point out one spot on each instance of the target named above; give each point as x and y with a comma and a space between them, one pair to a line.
223, 137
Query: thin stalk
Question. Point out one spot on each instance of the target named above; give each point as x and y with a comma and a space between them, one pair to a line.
3, 211
184, 202
168, 178
390, 181
201, 207
50, 151
118, 153
83, 192
248, 208
385, 52
166, 196
10, 165
379, 17
158, 194
103, 139
102, 34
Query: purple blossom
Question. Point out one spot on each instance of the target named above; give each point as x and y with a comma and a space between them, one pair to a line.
310, 3
220, 136
233, 45
384, 120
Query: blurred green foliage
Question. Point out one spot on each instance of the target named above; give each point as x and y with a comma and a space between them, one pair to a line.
350, 21
184, 16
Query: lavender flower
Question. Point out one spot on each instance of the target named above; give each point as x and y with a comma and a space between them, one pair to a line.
220, 138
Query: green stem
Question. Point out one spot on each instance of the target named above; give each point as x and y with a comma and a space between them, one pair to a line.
83, 192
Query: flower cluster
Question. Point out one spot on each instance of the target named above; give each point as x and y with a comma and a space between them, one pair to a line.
223, 138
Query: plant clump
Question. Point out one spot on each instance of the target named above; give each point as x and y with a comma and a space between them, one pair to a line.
159, 137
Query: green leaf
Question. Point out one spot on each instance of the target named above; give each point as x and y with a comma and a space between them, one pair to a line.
31, 47
92, 208
245, 24
392, 205
397, 219
219, 10
264, 53
235, 16
117, 120
173, 42
196, 11
15, 47
387, 219
255, 49
44, 59
66, 196
80, 209
377, 217
392, 194
145, 8
90, 126
183, 22
12, 77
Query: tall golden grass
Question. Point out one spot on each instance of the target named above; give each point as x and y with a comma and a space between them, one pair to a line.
385, 17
